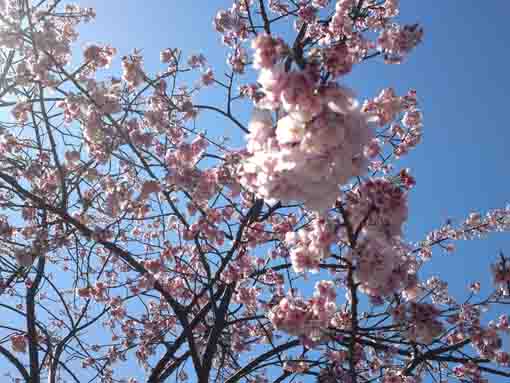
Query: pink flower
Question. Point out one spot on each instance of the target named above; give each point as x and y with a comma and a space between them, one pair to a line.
307, 160
20, 111
19, 343
207, 78
397, 41
24, 257
132, 70
379, 205
99, 56
148, 188
268, 50
197, 60
338, 60
168, 55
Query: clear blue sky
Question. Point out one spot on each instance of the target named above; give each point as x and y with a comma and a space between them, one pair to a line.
460, 73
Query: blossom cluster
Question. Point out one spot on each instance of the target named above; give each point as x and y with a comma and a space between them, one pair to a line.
377, 205
316, 147
384, 267
311, 245
474, 226
421, 319
306, 318
206, 239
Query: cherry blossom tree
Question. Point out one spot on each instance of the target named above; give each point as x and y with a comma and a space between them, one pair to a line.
132, 236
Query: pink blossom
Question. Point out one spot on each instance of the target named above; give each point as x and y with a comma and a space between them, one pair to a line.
20, 111
132, 70
196, 61
338, 60
19, 343
378, 205
307, 161
168, 55
99, 56
268, 50
397, 41
207, 78
24, 257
